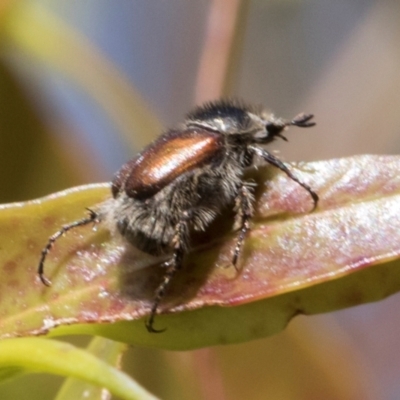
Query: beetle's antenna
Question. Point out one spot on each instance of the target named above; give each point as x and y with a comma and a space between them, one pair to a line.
93, 217
302, 120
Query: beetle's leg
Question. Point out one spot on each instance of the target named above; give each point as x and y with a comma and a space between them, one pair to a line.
244, 212
279, 164
172, 267
93, 217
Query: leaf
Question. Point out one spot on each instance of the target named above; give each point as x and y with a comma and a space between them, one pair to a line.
293, 262
104, 349
50, 356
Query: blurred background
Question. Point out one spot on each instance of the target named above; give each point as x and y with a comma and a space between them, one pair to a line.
85, 85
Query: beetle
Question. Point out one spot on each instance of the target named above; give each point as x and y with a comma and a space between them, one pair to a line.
182, 181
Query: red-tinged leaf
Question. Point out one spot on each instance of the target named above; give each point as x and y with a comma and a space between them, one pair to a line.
290, 264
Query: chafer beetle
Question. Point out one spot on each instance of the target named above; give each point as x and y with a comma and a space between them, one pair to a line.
181, 181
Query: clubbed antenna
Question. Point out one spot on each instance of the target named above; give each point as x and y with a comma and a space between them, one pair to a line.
302, 120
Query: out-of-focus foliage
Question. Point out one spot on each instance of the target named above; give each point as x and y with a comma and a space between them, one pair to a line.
41, 355
106, 350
